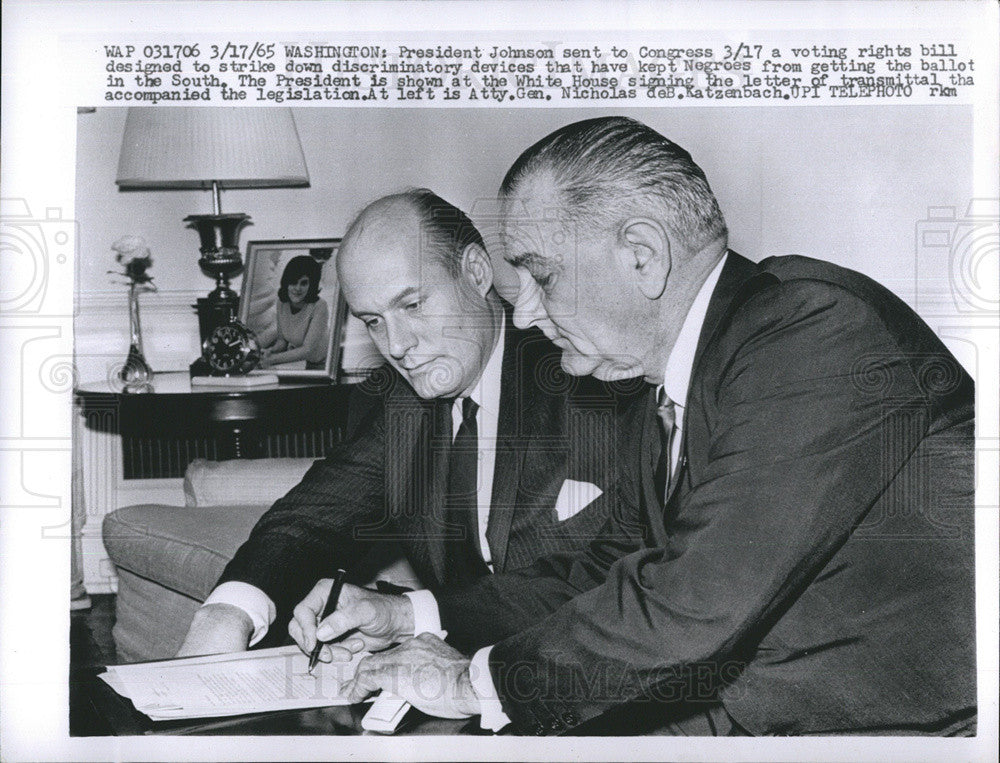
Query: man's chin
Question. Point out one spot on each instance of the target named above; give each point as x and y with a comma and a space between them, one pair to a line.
581, 365
578, 365
429, 391
435, 380
611, 372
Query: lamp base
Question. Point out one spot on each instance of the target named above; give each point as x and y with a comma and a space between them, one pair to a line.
199, 367
220, 256
219, 236
214, 311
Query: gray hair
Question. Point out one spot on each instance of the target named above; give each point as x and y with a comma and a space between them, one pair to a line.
602, 166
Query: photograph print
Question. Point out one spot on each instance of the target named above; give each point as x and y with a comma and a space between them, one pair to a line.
291, 300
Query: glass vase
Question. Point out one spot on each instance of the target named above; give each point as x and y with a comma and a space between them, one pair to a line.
136, 373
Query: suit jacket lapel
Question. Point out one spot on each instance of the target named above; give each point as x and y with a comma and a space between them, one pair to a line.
436, 444
740, 278
733, 285
655, 503
515, 400
406, 421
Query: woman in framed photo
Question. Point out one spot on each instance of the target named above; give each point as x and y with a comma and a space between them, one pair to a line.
302, 318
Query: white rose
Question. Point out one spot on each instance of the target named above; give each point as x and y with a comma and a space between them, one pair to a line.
129, 248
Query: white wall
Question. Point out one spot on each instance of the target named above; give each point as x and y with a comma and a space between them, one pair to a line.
846, 184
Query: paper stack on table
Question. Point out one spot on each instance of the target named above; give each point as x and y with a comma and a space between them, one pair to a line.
231, 684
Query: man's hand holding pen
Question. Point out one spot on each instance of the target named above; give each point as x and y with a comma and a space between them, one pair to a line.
425, 671
379, 619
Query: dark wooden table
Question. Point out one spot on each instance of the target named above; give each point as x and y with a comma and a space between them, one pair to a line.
166, 427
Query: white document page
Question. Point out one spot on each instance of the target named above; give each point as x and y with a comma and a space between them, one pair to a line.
232, 684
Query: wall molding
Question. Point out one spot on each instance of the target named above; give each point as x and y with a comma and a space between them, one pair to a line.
100, 329
115, 300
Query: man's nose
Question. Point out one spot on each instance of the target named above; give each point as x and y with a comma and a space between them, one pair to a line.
528, 308
400, 339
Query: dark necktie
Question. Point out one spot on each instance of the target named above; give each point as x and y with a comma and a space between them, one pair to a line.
666, 415
462, 500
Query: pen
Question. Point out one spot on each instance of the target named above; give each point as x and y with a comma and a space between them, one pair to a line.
331, 604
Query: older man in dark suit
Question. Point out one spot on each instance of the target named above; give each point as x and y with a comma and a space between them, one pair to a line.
469, 449
805, 468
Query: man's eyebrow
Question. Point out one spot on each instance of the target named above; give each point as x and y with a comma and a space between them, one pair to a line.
405, 294
524, 259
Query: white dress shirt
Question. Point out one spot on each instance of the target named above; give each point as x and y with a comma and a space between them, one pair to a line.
676, 379
486, 394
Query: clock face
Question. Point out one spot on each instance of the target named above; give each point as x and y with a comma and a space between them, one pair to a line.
231, 349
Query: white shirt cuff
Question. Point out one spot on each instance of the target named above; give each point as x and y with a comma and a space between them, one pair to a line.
250, 599
426, 615
492, 716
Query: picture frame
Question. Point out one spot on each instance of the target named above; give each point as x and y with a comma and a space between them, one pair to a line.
283, 317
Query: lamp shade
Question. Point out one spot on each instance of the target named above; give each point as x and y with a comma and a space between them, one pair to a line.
190, 147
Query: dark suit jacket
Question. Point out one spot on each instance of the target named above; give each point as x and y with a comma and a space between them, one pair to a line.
813, 569
385, 484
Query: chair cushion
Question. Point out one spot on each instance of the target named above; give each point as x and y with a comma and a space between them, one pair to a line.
252, 481
182, 548
150, 620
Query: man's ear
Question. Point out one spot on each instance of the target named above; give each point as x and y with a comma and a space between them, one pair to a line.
645, 250
478, 268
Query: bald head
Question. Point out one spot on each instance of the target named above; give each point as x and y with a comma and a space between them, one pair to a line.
413, 268
444, 230
386, 218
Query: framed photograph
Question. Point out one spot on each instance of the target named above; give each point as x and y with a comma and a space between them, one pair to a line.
292, 301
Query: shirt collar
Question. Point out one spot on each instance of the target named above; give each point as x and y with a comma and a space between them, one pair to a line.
486, 393
680, 362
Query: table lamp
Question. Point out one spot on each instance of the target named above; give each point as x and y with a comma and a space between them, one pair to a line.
212, 148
